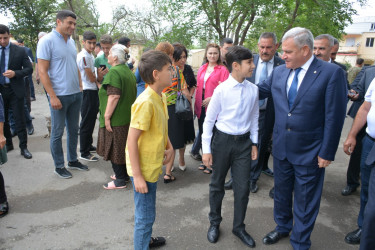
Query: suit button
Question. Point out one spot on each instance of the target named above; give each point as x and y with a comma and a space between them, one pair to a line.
289, 114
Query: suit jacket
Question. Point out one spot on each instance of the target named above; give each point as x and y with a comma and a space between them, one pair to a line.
361, 84
20, 63
312, 126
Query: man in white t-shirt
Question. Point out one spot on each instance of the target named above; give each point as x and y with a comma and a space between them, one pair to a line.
365, 113
90, 99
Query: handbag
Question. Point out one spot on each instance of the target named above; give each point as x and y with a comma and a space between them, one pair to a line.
183, 107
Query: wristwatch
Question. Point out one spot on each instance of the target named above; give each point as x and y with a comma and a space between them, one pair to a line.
255, 144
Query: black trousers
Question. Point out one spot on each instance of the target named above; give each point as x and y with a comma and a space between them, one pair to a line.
354, 167
89, 112
17, 105
120, 173
3, 196
233, 152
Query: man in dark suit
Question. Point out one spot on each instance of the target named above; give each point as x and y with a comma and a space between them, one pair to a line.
365, 113
358, 90
30, 77
15, 66
310, 110
264, 63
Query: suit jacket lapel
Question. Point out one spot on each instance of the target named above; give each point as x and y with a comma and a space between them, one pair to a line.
11, 54
276, 62
307, 81
284, 82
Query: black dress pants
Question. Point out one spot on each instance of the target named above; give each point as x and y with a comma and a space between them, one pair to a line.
3, 196
229, 151
89, 112
17, 105
354, 167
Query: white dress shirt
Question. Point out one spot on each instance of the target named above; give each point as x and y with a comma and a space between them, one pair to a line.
234, 106
370, 97
301, 75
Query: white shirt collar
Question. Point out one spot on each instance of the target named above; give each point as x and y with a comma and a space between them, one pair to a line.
308, 63
234, 82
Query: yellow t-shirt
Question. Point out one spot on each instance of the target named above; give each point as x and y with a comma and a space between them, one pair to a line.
150, 114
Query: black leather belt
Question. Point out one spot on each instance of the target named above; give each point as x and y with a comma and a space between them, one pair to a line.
245, 136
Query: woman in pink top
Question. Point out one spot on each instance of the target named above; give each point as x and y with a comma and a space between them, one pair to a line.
209, 76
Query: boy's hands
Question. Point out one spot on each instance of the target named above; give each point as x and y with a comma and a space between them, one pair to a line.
207, 160
254, 153
140, 185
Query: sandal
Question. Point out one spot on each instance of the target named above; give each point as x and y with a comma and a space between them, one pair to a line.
113, 177
202, 167
207, 171
157, 242
111, 185
171, 178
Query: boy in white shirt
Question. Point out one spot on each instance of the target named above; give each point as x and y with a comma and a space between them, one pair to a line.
234, 111
90, 99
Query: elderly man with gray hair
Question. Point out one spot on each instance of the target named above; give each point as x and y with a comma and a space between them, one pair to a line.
309, 115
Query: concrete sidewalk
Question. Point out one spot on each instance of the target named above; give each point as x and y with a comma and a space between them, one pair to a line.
47, 212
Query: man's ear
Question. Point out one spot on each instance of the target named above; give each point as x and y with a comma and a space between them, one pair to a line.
277, 45
155, 74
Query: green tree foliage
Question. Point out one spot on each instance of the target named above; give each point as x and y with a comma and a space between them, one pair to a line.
30, 18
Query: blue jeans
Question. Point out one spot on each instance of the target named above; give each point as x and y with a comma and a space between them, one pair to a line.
67, 116
367, 144
144, 216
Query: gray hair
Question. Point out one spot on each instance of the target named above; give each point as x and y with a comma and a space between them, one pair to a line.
41, 34
301, 37
330, 38
120, 52
267, 35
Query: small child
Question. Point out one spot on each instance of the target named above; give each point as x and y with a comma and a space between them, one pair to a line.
148, 146
234, 107
90, 99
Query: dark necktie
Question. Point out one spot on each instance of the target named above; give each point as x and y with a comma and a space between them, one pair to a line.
293, 88
2, 66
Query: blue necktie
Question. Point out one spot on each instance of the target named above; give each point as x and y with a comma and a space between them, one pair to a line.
2, 66
263, 76
293, 88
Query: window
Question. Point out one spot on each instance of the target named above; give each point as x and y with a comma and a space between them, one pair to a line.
372, 26
350, 42
370, 42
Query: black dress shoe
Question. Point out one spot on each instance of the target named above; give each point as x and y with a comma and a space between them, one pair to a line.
272, 192
348, 190
253, 187
9, 148
354, 237
268, 172
26, 153
245, 238
228, 184
30, 130
4, 208
213, 234
273, 237
196, 157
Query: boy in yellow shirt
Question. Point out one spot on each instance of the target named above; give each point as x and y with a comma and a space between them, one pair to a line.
148, 146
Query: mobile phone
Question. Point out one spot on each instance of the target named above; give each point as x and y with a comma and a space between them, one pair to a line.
103, 66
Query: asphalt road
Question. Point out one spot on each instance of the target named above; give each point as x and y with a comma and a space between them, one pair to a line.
47, 212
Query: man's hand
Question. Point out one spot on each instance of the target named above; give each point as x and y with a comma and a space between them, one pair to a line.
349, 145
9, 73
101, 73
2, 141
107, 122
168, 154
55, 102
140, 185
206, 102
353, 95
254, 153
323, 163
207, 160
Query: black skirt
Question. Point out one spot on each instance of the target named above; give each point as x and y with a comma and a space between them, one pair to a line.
180, 132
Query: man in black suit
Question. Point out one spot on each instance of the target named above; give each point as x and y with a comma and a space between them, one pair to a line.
358, 90
264, 62
15, 66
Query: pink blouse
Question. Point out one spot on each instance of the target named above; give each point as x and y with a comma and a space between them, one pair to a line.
220, 74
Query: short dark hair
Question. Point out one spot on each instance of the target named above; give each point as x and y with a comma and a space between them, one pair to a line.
237, 54
19, 40
98, 45
4, 29
226, 40
88, 35
123, 40
150, 61
106, 39
360, 61
62, 14
177, 52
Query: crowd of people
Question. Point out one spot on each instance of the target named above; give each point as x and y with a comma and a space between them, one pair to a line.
248, 106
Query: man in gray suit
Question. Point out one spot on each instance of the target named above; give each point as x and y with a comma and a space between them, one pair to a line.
264, 62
